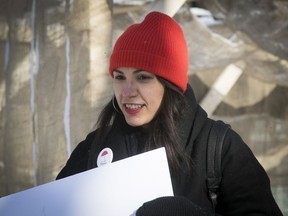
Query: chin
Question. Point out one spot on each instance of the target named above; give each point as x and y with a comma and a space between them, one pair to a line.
134, 123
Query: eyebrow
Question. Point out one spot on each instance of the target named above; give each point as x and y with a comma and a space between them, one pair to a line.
121, 72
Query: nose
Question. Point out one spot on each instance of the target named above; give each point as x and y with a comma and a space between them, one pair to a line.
129, 89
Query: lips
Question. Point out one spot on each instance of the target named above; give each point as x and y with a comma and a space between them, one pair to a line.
133, 108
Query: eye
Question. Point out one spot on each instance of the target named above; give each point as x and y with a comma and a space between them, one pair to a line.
144, 77
119, 77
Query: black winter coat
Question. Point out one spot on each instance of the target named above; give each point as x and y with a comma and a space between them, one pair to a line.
245, 187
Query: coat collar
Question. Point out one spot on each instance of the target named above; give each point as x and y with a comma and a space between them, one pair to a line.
193, 120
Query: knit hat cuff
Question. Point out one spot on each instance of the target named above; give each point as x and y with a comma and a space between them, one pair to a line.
152, 63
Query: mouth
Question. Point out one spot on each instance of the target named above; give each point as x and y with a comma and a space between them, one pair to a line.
133, 108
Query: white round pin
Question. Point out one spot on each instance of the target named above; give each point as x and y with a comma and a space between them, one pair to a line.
105, 157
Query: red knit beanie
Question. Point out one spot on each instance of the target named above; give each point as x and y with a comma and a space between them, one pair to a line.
156, 45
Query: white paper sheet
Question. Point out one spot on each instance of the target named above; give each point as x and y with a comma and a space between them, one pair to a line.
119, 189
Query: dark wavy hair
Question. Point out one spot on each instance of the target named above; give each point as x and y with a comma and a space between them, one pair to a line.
162, 131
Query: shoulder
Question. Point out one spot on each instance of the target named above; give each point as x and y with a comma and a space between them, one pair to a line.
236, 149
245, 178
84, 145
78, 160
237, 155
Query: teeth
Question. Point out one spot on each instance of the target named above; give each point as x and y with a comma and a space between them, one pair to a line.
133, 106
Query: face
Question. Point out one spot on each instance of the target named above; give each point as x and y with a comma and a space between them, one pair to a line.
138, 94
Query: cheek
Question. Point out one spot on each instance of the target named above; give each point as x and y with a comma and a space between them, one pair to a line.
116, 89
160, 92
157, 96
159, 99
116, 92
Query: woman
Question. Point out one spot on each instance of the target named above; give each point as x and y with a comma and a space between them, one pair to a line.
154, 106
